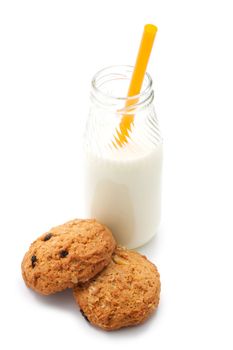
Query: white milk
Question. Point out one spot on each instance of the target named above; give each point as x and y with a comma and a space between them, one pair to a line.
123, 192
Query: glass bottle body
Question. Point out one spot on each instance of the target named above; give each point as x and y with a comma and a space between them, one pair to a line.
123, 179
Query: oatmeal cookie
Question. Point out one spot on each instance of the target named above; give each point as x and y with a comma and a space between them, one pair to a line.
124, 294
66, 255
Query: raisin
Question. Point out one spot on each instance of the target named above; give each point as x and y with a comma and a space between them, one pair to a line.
63, 253
47, 237
33, 260
84, 315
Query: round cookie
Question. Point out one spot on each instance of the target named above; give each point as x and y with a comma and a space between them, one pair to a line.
124, 294
66, 255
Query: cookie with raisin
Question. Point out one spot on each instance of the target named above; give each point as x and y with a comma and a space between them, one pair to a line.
66, 255
124, 294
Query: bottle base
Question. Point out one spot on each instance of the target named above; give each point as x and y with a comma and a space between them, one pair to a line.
140, 244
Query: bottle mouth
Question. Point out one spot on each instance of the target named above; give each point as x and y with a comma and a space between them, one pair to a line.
110, 87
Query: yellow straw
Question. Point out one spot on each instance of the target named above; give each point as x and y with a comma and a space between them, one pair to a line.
136, 80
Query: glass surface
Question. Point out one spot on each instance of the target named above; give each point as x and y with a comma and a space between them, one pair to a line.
123, 183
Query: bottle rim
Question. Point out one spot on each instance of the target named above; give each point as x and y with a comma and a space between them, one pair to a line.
145, 94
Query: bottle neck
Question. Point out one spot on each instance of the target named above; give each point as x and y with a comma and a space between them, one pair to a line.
110, 88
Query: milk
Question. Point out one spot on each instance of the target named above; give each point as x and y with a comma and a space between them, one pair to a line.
123, 178
123, 191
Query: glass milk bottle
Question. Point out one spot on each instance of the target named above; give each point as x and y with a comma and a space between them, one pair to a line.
123, 180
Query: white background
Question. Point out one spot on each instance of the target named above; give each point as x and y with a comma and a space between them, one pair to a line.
49, 51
